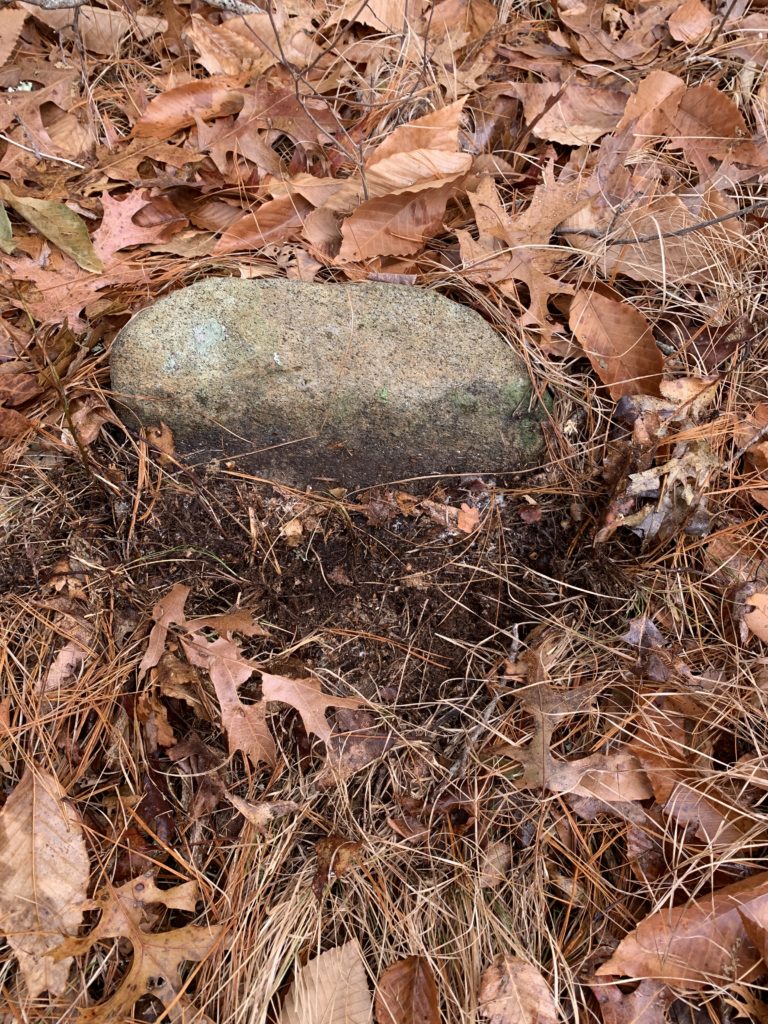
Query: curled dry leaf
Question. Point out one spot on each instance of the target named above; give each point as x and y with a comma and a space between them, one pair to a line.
406, 993
395, 225
512, 991
335, 856
703, 942
179, 108
44, 874
690, 22
756, 618
331, 989
262, 813
619, 343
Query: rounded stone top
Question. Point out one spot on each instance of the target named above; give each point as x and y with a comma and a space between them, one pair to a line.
327, 384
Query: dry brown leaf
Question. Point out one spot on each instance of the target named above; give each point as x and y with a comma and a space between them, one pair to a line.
415, 170
572, 114
756, 454
512, 991
44, 870
101, 30
647, 1004
690, 22
180, 107
355, 743
13, 423
702, 942
335, 856
331, 989
394, 225
619, 343
245, 724
263, 812
308, 698
11, 24
756, 618
406, 993
118, 230
157, 956
169, 611
438, 130
277, 220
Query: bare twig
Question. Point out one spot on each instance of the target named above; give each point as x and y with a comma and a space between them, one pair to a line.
654, 237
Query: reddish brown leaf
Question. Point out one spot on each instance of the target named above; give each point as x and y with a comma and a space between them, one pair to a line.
13, 423
407, 993
335, 856
275, 221
619, 343
690, 22
394, 225
180, 107
647, 1004
169, 611
703, 942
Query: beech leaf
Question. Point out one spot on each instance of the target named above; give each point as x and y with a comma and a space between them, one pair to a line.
44, 874
331, 989
618, 341
393, 225
702, 942
60, 225
407, 993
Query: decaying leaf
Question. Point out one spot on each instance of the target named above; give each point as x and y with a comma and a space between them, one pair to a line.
331, 989
406, 993
335, 856
44, 873
263, 812
513, 991
156, 956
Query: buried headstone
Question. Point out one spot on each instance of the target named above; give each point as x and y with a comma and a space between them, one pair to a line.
326, 384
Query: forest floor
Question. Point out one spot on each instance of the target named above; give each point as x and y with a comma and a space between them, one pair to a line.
490, 751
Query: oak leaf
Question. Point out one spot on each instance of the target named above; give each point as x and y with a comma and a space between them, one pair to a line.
307, 697
169, 611
44, 874
157, 956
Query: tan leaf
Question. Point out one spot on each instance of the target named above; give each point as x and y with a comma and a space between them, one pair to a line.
406, 993
702, 942
757, 617
690, 22
308, 698
169, 611
59, 225
619, 343
44, 874
11, 24
415, 170
438, 130
100, 30
180, 107
277, 220
381, 15
118, 229
647, 1004
394, 225
245, 724
574, 114
331, 989
264, 812
157, 957
513, 991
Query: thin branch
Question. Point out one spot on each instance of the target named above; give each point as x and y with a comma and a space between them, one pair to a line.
594, 233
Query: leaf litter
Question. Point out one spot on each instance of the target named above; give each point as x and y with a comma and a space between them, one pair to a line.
517, 727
